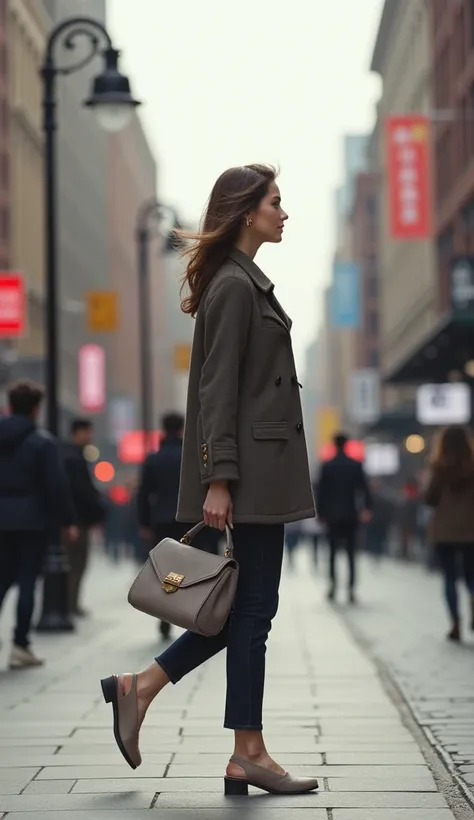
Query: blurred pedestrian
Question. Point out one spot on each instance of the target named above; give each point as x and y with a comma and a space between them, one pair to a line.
35, 502
245, 465
378, 528
408, 519
343, 501
157, 500
450, 492
90, 508
293, 536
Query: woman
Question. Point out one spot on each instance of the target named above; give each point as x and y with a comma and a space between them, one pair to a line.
451, 492
244, 464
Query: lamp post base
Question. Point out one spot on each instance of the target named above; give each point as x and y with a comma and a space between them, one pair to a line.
55, 616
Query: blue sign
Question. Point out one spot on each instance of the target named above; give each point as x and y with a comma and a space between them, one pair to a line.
345, 295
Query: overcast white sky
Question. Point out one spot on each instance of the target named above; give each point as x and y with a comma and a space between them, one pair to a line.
226, 83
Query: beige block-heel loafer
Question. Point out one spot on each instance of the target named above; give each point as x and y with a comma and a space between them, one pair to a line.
271, 782
125, 709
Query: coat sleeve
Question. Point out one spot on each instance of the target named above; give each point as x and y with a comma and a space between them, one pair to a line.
55, 484
320, 494
365, 490
432, 493
227, 324
143, 495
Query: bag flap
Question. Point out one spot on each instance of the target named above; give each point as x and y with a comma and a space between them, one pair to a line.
196, 565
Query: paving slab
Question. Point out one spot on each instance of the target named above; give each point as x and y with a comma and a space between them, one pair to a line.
80, 772
393, 814
374, 800
68, 802
326, 714
49, 787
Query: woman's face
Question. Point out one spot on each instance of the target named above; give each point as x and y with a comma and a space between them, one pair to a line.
269, 218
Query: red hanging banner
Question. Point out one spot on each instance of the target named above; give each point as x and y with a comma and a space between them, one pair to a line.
408, 177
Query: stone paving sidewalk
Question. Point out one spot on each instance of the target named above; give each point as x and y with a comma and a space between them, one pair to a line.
402, 620
326, 713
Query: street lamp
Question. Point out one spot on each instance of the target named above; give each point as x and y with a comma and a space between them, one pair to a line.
111, 101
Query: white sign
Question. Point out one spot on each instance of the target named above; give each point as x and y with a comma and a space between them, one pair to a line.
381, 459
121, 417
364, 395
92, 378
443, 403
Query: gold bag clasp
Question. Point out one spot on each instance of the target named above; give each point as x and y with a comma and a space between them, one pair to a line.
172, 582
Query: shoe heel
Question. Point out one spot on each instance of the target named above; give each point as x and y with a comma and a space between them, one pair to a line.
233, 787
109, 689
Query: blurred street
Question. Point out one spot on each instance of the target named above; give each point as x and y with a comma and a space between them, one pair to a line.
327, 711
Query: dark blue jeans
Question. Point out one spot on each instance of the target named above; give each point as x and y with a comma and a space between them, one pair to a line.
21, 562
259, 551
452, 559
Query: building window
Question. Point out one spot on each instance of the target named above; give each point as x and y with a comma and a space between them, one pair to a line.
374, 358
373, 323
372, 287
4, 223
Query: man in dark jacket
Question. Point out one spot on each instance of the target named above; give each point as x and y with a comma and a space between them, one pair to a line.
157, 498
35, 502
343, 499
90, 509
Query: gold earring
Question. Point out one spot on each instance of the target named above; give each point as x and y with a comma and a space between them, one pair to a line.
248, 221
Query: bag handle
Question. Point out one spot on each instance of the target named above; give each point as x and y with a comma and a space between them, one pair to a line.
229, 547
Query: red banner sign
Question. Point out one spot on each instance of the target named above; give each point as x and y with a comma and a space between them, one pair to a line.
408, 164
92, 395
12, 306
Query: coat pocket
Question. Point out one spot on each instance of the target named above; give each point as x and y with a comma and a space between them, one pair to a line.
270, 431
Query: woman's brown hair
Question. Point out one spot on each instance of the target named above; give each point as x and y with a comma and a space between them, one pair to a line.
236, 192
453, 455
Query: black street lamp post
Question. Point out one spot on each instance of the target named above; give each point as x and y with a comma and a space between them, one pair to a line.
113, 104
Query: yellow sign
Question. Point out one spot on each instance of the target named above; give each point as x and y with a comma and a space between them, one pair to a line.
328, 424
102, 311
182, 358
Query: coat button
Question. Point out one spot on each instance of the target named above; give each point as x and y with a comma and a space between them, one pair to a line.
278, 381
299, 426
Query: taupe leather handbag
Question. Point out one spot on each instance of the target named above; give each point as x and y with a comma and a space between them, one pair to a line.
185, 586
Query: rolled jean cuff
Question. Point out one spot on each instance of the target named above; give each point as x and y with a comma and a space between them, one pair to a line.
171, 678
235, 728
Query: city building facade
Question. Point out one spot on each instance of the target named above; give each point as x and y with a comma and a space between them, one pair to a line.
82, 208
364, 251
402, 57
27, 26
453, 134
132, 182
4, 144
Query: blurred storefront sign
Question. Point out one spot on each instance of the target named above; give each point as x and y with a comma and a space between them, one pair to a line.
131, 447
12, 305
381, 459
102, 311
354, 449
364, 395
408, 163
345, 296
92, 393
328, 423
462, 285
443, 403
121, 411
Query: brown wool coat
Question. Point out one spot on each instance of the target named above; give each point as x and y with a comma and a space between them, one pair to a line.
243, 419
452, 521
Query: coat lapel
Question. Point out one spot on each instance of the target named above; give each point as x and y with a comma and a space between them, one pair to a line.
270, 304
